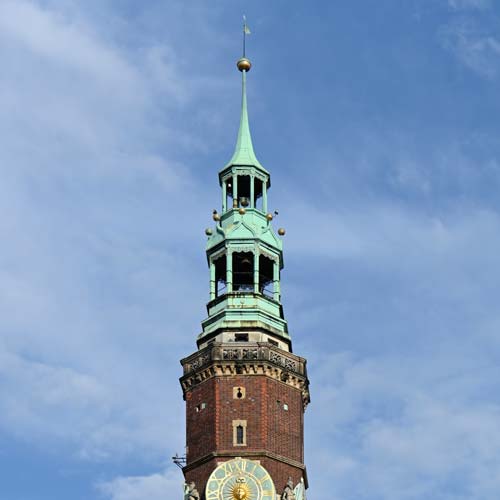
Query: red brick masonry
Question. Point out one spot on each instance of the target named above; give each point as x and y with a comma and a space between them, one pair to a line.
276, 393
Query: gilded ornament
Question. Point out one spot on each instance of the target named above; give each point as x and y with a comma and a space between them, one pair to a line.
240, 479
241, 491
244, 64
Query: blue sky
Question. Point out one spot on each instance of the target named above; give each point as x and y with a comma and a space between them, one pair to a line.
379, 124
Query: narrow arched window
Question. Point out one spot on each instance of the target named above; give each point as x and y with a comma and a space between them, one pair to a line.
240, 434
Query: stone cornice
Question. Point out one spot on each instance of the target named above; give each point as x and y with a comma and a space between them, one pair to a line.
245, 358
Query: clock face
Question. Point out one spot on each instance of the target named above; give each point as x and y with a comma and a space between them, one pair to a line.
240, 479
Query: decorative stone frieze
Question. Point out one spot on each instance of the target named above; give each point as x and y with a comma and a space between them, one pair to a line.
260, 358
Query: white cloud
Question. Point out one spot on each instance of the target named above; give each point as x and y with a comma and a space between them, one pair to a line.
410, 431
420, 423
67, 42
101, 217
88, 267
476, 49
168, 484
378, 233
469, 4
42, 390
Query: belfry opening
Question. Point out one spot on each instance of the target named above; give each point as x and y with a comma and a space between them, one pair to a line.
243, 191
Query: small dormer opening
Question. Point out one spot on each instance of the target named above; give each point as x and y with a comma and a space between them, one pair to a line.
243, 272
241, 337
220, 276
266, 269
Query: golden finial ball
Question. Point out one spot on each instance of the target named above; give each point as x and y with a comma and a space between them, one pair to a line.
269, 216
216, 217
244, 64
208, 231
281, 231
242, 211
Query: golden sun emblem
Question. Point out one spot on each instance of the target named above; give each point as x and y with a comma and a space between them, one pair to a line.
240, 490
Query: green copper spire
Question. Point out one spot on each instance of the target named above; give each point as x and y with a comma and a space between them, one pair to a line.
244, 253
244, 153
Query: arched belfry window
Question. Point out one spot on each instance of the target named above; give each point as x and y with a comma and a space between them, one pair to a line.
257, 202
238, 191
243, 263
244, 191
266, 274
220, 276
230, 189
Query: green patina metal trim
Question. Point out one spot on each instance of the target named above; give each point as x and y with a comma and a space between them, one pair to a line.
244, 153
244, 229
245, 310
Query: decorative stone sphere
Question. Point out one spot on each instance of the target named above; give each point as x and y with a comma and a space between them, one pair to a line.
242, 211
244, 64
281, 231
269, 216
208, 231
216, 217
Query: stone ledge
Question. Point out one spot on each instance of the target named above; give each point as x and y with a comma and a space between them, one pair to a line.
245, 358
244, 351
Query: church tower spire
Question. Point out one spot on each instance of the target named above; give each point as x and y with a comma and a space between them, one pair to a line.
245, 391
244, 153
244, 253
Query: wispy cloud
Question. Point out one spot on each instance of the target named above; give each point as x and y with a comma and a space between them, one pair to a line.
79, 150
476, 48
469, 4
410, 430
154, 487
416, 423
66, 42
391, 278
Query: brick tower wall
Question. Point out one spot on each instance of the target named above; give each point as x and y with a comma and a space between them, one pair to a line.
273, 412
211, 409
274, 392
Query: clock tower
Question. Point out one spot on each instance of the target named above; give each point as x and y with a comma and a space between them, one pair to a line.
245, 390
